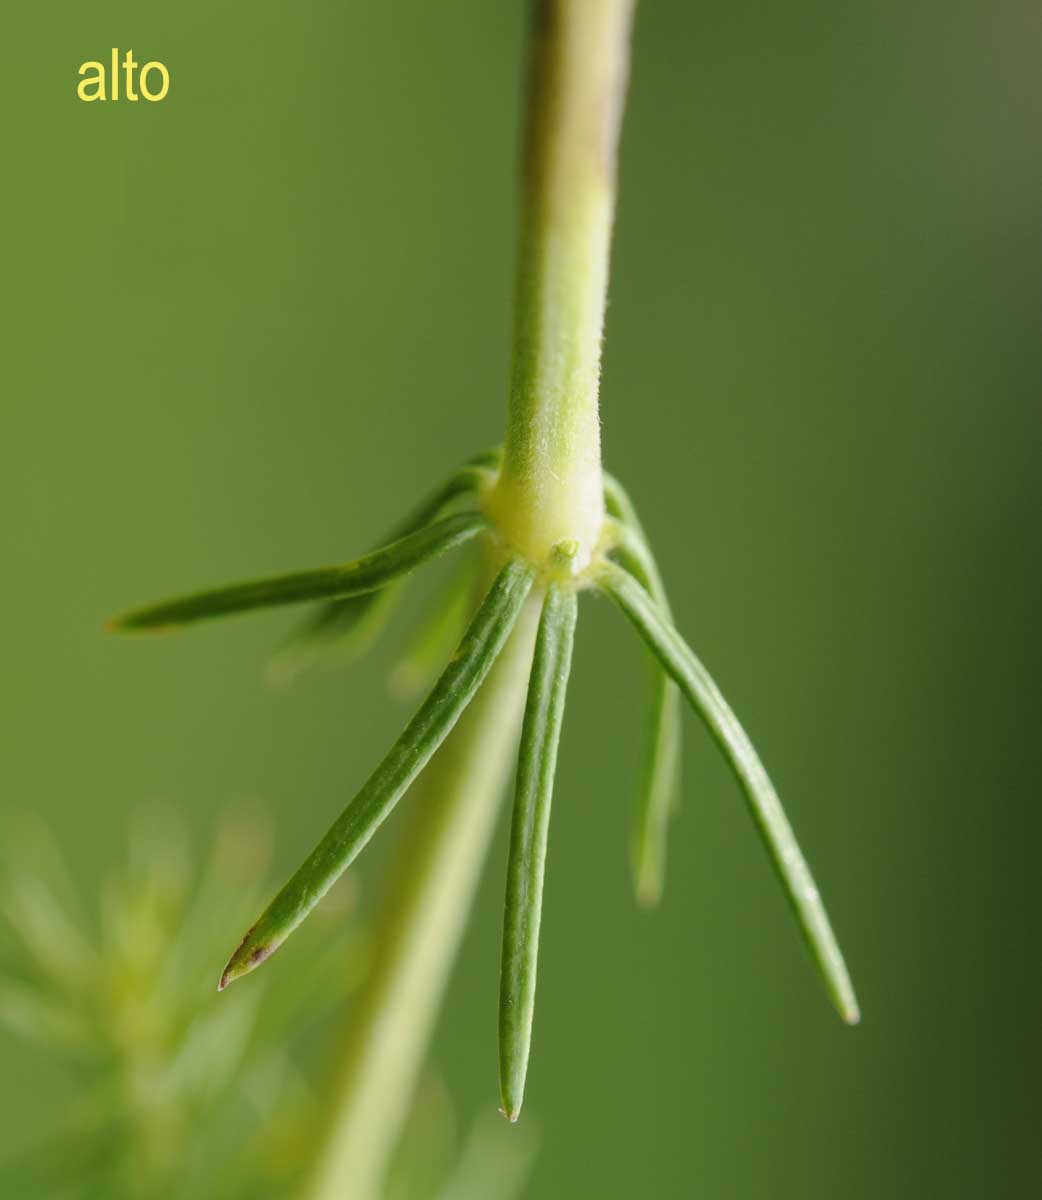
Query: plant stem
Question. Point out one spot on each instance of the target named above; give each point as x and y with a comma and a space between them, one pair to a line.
550, 488
429, 894
549, 492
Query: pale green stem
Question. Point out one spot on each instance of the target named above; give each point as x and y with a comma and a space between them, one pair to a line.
549, 492
453, 809
550, 489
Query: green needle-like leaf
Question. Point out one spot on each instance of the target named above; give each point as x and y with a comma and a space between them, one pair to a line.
348, 626
660, 776
365, 574
537, 761
485, 637
438, 631
766, 808
636, 545
344, 629
657, 798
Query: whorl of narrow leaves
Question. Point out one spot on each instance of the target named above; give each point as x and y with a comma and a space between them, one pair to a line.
365, 574
363, 592
481, 644
660, 774
694, 680
537, 763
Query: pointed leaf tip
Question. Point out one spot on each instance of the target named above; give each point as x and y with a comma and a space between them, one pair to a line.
430, 725
649, 892
369, 573
127, 624
653, 624
537, 761
247, 957
660, 774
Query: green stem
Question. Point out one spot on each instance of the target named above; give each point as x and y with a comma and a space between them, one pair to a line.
428, 898
549, 492
550, 489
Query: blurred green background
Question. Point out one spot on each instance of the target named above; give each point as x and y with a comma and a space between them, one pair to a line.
246, 325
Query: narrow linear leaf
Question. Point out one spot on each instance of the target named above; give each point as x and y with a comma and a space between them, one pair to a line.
659, 787
634, 543
349, 626
365, 574
660, 774
632, 551
617, 502
766, 808
340, 629
438, 631
537, 762
481, 644
467, 480
490, 458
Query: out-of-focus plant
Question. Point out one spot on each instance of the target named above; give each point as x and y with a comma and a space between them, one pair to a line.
175, 1094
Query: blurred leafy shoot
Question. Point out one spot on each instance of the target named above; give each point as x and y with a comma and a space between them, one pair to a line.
174, 1092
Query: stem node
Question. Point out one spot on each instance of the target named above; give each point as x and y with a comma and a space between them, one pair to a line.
550, 488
